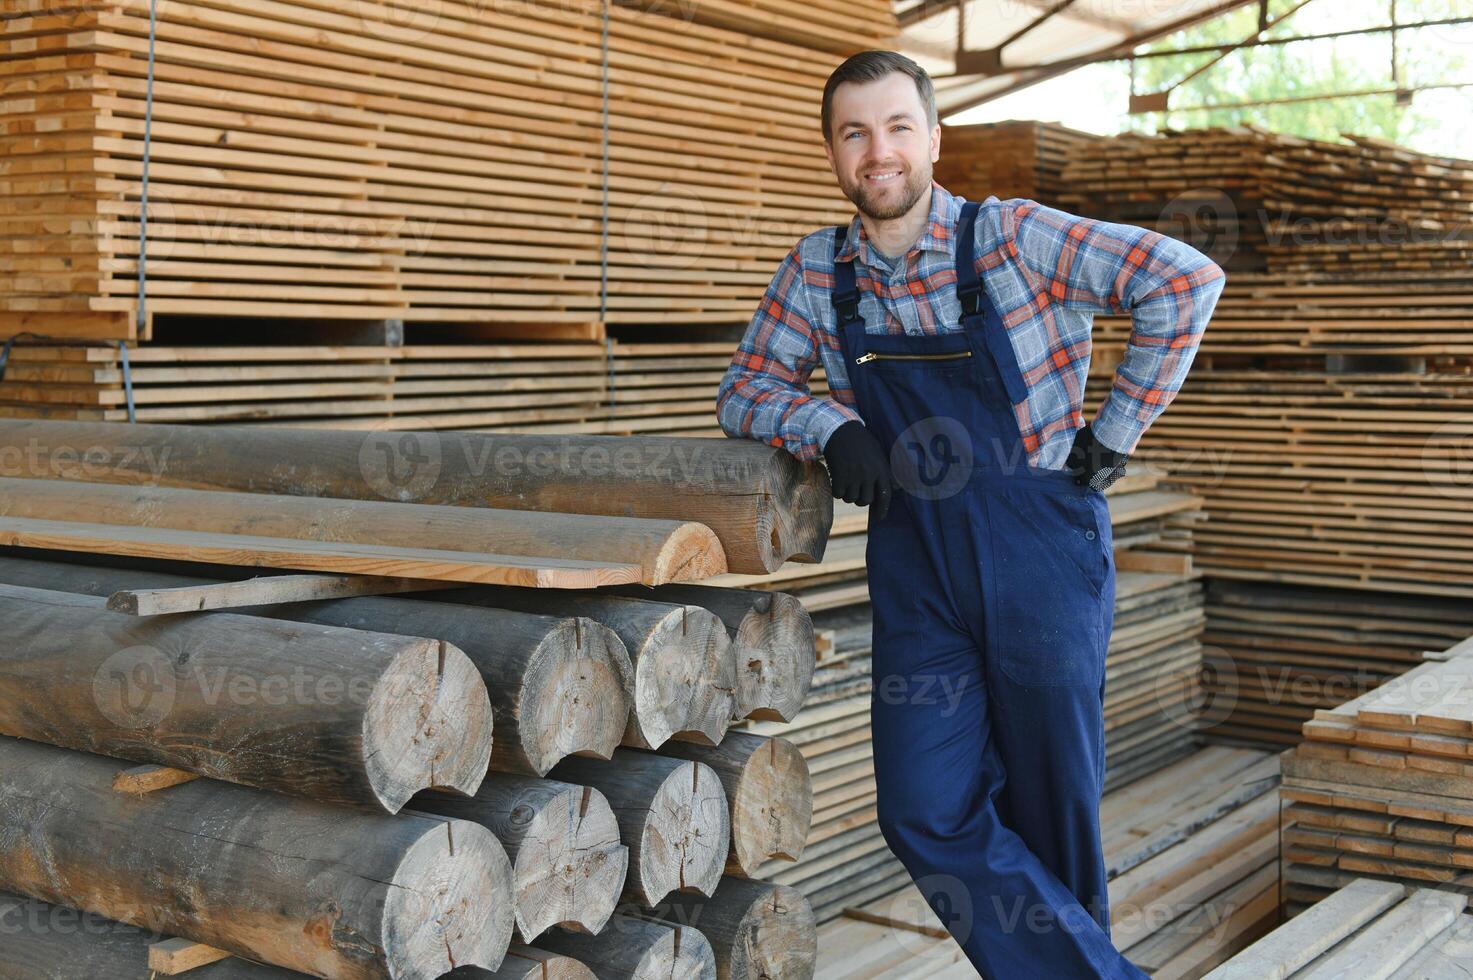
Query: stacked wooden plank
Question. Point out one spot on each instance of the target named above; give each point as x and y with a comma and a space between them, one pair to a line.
1367, 928
1191, 856
1008, 159
826, 26
1259, 198
1275, 653
219, 729
1380, 786
324, 159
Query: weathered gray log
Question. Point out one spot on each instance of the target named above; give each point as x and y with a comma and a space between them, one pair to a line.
772, 643
632, 948
568, 866
768, 786
527, 963
672, 816
324, 890
757, 930
40, 941
558, 685
335, 715
684, 675
763, 505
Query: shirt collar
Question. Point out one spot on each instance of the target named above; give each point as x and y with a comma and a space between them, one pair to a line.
938, 235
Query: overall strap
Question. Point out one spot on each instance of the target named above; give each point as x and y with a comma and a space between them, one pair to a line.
968, 286
978, 311
845, 295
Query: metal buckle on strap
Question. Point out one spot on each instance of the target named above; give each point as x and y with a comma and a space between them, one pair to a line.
971, 299
847, 304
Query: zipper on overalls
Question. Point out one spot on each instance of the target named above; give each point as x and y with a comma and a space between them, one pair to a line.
866, 358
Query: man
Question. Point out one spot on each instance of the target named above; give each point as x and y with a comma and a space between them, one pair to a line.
956, 339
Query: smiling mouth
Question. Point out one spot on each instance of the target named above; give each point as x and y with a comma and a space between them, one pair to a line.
882, 177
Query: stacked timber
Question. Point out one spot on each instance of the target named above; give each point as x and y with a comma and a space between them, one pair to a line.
1008, 160
296, 773
1367, 928
1380, 786
1190, 853
317, 160
1273, 653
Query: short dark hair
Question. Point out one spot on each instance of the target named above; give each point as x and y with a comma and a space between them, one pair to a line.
871, 66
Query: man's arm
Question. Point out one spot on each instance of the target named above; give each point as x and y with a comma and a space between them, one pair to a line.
764, 394
1169, 289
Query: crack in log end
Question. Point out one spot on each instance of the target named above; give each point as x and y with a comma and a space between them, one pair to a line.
583, 802
450, 836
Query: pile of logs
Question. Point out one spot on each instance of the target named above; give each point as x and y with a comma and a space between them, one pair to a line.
334, 160
1367, 928
366, 776
1380, 787
1008, 159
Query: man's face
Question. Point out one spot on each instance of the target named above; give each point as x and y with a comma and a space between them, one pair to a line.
881, 148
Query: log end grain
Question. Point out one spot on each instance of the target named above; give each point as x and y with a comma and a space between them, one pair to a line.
570, 866
576, 696
684, 843
685, 679
689, 554
428, 724
773, 650
453, 904
776, 937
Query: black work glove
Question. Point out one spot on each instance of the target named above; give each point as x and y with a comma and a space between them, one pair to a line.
1092, 463
859, 468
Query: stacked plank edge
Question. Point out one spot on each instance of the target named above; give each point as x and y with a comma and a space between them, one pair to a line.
265, 826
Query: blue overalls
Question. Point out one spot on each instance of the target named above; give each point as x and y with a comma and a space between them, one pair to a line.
993, 591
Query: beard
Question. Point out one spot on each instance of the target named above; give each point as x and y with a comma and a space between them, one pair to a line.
870, 201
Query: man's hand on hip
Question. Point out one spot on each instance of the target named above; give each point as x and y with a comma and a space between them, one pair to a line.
859, 467
1092, 463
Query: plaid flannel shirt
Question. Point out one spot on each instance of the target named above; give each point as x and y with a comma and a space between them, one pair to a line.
1046, 271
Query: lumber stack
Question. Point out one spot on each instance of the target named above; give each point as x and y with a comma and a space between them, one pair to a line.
1273, 654
1191, 857
1018, 158
1380, 786
1366, 928
320, 160
302, 766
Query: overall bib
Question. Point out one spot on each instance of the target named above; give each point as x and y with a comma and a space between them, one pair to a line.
993, 592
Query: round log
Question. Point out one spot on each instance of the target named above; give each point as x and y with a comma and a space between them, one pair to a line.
772, 641
569, 678
672, 816
684, 675
770, 792
765, 506
319, 889
339, 716
568, 866
757, 930
665, 550
632, 948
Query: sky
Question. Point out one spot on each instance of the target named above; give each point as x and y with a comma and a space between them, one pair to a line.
1094, 98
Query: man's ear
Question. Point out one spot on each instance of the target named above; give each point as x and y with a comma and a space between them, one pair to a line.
936, 142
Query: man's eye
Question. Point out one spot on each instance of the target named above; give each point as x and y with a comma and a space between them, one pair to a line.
853, 134
902, 127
